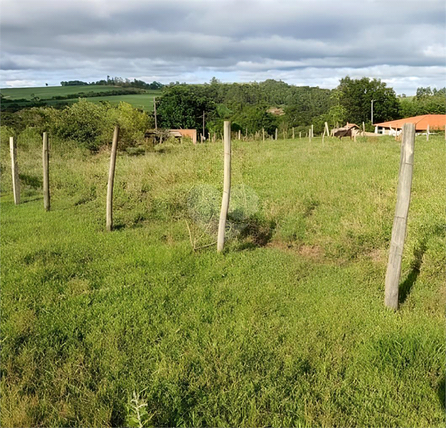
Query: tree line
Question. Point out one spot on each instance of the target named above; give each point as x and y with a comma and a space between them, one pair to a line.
275, 104
116, 81
250, 107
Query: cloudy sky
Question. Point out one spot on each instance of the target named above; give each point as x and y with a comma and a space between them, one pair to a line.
302, 42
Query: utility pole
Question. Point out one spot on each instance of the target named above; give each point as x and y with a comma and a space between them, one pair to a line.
154, 109
204, 135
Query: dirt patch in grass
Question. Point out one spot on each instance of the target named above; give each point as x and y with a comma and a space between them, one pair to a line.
313, 252
377, 255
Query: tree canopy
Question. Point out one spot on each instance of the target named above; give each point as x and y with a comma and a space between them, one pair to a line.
356, 96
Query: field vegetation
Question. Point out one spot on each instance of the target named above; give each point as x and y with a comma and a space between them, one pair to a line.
17, 99
251, 107
286, 328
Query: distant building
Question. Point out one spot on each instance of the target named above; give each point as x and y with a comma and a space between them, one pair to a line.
435, 122
276, 111
191, 133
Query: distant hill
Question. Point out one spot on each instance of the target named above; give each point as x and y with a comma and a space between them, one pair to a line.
14, 99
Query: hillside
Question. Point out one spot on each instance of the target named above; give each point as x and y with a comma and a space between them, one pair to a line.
24, 97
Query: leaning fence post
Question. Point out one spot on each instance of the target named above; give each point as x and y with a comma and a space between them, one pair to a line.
400, 220
46, 173
111, 179
226, 187
14, 170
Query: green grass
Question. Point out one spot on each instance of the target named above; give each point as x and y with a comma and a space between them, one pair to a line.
47, 92
142, 101
286, 328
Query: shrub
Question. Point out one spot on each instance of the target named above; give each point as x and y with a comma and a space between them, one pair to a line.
86, 123
132, 122
5, 133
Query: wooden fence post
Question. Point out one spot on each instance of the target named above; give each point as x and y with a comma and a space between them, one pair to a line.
400, 220
111, 179
263, 134
226, 187
293, 133
14, 170
46, 173
276, 134
326, 129
427, 133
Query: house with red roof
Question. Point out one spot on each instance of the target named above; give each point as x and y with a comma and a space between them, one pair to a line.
431, 122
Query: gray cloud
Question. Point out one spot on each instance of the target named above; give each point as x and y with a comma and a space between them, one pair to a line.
316, 42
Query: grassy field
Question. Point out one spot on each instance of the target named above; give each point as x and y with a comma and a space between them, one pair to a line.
47, 92
142, 101
286, 328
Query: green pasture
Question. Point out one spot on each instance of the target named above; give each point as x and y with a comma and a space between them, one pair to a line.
139, 101
142, 101
47, 92
286, 328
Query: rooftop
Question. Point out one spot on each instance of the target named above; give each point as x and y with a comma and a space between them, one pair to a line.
435, 121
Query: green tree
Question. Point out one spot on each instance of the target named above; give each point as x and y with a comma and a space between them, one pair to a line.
427, 101
337, 113
182, 106
356, 97
305, 104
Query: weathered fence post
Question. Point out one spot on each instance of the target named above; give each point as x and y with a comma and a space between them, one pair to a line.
46, 172
226, 187
276, 134
300, 135
14, 170
427, 133
293, 133
111, 179
326, 129
400, 220
263, 134
309, 135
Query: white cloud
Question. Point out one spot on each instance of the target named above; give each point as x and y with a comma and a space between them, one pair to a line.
21, 83
307, 41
